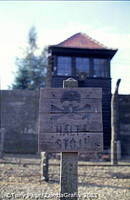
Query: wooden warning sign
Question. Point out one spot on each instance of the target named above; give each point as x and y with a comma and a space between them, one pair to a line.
70, 120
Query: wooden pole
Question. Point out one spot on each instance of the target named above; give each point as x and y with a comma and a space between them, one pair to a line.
2, 131
44, 155
69, 164
114, 124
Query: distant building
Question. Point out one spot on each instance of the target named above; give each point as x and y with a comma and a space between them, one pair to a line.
88, 61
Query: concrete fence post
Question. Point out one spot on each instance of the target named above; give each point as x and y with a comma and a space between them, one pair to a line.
114, 124
44, 166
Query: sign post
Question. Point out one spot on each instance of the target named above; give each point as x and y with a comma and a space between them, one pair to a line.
69, 163
70, 122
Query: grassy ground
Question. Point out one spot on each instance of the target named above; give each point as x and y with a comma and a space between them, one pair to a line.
20, 179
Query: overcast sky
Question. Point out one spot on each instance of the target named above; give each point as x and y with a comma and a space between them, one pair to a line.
107, 22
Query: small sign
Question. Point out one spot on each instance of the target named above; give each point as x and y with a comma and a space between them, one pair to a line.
70, 120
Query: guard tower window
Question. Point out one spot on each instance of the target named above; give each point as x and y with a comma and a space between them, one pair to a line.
82, 65
100, 67
64, 66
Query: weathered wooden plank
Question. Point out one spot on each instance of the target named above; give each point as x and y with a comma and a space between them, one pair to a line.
69, 93
70, 125
68, 113
80, 142
58, 106
73, 117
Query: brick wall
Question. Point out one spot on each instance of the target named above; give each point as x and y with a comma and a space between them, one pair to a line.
19, 118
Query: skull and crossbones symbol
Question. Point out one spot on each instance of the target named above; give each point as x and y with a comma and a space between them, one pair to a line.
71, 105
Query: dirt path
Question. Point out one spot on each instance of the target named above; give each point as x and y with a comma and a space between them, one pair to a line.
22, 181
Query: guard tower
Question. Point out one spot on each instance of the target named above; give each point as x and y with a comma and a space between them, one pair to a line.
87, 61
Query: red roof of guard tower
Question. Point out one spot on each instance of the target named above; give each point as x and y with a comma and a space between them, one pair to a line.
81, 40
